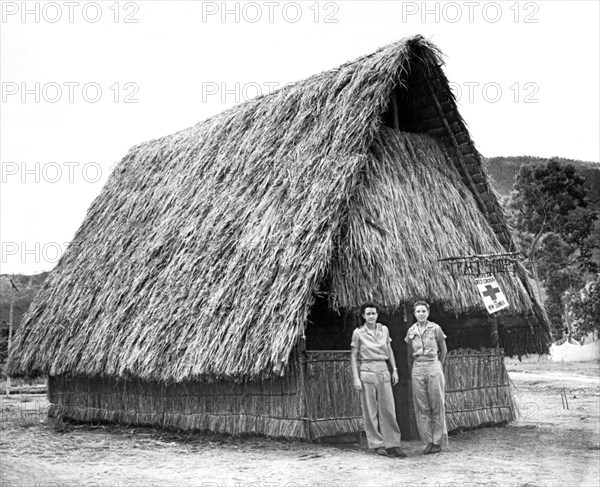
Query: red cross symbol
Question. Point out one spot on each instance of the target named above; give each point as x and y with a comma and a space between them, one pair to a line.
491, 291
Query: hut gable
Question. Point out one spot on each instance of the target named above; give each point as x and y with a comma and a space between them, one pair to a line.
200, 258
409, 209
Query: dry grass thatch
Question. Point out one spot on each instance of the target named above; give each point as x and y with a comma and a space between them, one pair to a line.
410, 209
200, 258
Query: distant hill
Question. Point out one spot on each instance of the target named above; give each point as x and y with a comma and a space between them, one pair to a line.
503, 170
28, 287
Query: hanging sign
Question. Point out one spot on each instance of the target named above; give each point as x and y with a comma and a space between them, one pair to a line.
493, 297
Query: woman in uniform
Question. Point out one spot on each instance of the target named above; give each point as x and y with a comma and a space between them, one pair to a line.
371, 346
427, 350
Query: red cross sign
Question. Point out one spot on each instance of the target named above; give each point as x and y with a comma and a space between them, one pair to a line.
493, 297
491, 291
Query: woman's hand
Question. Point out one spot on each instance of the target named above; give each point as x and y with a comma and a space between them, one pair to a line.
357, 385
394, 377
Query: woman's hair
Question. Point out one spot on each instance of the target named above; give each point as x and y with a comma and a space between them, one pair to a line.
420, 303
366, 305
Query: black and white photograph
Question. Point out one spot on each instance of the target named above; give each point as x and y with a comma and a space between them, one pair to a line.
300, 243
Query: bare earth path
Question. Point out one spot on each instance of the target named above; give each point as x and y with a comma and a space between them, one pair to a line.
548, 446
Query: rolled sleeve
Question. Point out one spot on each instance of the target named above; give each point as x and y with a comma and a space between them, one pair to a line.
439, 333
387, 334
355, 340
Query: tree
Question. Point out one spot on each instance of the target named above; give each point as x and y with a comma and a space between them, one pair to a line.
582, 230
585, 307
549, 197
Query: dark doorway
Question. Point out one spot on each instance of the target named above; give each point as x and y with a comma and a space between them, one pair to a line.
328, 330
398, 324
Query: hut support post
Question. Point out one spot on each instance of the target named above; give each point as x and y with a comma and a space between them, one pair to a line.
494, 333
413, 432
303, 406
10, 328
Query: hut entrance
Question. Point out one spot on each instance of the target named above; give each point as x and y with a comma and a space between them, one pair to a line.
398, 324
326, 329
328, 337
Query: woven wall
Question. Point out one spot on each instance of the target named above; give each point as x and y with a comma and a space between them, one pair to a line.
332, 404
273, 408
477, 389
477, 392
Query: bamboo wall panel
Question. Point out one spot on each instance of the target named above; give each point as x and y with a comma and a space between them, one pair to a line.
332, 404
270, 407
477, 392
477, 389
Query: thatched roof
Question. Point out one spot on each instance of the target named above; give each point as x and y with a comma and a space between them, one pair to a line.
201, 257
410, 209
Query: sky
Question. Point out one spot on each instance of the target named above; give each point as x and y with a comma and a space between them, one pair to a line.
82, 82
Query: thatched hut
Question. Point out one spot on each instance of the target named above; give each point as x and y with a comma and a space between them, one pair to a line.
213, 283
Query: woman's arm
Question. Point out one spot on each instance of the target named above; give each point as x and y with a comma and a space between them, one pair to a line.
392, 360
411, 359
354, 367
442, 346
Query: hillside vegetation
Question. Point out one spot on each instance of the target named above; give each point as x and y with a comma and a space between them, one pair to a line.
502, 171
28, 287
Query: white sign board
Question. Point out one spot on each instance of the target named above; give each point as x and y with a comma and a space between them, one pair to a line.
493, 297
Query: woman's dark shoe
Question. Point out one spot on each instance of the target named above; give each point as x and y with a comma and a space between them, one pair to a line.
436, 449
428, 448
396, 452
381, 451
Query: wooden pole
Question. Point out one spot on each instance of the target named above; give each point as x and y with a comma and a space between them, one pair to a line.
10, 327
301, 385
494, 334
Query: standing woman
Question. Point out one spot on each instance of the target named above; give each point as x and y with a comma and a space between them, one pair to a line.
427, 351
371, 344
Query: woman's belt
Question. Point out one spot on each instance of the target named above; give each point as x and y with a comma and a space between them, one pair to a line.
425, 358
373, 366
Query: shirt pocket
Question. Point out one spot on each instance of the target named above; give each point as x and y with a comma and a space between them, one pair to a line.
430, 340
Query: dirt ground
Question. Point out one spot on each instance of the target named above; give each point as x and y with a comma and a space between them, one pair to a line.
549, 445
